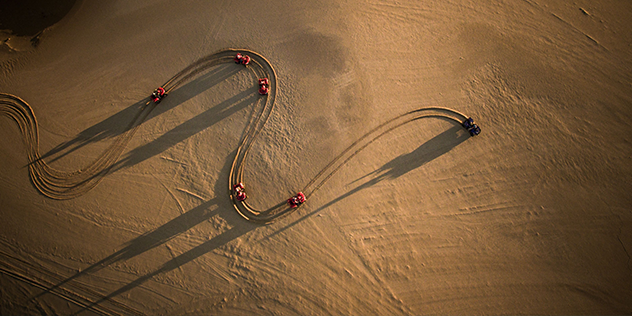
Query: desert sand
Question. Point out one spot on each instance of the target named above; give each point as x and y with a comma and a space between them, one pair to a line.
533, 216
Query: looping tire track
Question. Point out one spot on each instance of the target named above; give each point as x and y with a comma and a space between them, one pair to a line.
66, 185
262, 68
54, 183
61, 185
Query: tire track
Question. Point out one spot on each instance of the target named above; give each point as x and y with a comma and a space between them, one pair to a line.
261, 68
61, 185
66, 185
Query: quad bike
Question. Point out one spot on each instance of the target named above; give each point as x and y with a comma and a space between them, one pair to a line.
264, 86
158, 95
240, 193
471, 127
242, 59
297, 200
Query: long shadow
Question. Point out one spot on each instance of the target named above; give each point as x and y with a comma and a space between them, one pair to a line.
149, 240
187, 129
167, 232
217, 241
171, 229
113, 126
108, 128
124, 120
399, 166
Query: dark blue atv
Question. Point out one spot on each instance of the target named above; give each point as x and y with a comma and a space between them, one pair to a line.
471, 127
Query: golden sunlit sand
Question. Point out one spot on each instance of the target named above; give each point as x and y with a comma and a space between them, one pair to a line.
112, 204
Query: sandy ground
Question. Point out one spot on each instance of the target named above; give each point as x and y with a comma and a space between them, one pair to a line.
533, 216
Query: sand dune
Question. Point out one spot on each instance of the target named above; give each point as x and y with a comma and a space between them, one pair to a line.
133, 213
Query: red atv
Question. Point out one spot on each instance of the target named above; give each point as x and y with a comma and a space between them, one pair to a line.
264, 82
297, 200
158, 95
240, 193
264, 85
242, 59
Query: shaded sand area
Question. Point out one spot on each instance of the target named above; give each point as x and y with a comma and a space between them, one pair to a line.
22, 23
533, 216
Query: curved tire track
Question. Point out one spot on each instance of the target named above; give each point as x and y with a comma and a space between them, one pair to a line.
66, 185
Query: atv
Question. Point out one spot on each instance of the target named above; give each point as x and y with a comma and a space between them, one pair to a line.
297, 200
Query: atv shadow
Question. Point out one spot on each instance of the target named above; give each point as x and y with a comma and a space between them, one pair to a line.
430, 150
187, 129
124, 120
220, 206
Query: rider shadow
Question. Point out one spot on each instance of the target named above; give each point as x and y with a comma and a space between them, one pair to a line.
169, 231
124, 120
187, 129
200, 250
430, 150
148, 241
